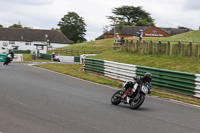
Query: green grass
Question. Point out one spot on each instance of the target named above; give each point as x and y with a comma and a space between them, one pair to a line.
185, 64
76, 71
192, 36
99, 45
177, 97
28, 58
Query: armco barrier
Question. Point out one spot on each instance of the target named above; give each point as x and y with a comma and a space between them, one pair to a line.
180, 82
45, 56
2, 57
18, 57
76, 58
20, 51
62, 58
170, 80
66, 58
94, 65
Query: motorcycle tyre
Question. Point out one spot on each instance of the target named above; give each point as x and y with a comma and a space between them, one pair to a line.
136, 106
118, 100
5, 63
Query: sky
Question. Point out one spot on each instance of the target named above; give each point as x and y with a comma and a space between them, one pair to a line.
46, 14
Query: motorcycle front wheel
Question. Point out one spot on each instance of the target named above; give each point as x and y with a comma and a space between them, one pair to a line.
138, 103
116, 98
5, 63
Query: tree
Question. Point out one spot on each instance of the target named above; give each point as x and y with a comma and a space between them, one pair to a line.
130, 15
19, 26
120, 26
1, 25
16, 26
143, 22
73, 27
28, 28
105, 29
55, 29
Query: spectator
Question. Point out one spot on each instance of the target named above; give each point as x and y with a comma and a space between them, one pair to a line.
118, 37
122, 40
139, 34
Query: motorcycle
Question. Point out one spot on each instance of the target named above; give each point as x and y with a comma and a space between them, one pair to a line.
132, 93
8, 60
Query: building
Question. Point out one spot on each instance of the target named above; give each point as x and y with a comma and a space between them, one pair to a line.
148, 31
31, 39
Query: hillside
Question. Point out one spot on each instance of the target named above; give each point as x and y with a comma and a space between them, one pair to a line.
192, 36
106, 44
177, 63
99, 45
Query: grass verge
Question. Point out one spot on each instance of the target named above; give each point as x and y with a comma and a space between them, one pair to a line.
176, 63
28, 58
76, 71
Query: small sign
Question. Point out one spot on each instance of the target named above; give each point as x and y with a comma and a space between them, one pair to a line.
5, 44
157, 35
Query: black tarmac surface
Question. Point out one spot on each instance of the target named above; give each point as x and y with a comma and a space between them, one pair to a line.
33, 100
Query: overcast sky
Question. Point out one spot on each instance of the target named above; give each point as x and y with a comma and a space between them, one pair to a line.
45, 14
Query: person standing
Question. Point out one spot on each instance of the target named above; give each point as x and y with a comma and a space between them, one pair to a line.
118, 37
140, 34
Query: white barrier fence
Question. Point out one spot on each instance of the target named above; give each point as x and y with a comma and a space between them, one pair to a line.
18, 57
66, 58
197, 83
174, 81
119, 71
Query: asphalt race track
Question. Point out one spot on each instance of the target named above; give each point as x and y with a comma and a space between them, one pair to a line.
33, 100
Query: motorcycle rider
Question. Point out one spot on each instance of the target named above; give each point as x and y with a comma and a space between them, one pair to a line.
140, 79
12, 54
9, 58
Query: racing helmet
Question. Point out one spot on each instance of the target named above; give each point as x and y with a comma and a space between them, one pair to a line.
148, 76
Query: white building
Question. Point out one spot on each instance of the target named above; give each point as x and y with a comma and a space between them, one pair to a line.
31, 39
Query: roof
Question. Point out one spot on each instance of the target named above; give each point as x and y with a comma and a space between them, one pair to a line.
100, 37
132, 30
30, 35
174, 31
129, 30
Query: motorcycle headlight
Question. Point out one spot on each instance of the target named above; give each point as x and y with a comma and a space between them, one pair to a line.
145, 89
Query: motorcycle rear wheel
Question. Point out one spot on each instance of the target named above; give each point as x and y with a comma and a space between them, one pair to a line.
116, 98
138, 103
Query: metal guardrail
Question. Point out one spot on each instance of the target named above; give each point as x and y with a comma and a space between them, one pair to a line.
45, 56
62, 58
175, 81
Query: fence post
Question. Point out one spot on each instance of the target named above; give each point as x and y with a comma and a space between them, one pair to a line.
151, 47
196, 50
179, 50
190, 47
66, 51
126, 45
131, 46
159, 47
168, 48
143, 47
183, 50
